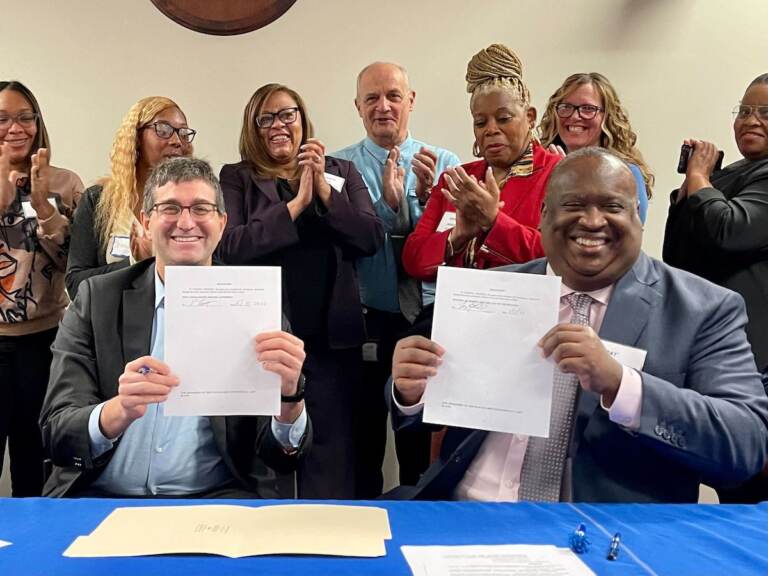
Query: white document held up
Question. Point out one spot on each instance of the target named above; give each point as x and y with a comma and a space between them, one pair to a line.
493, 376
517, 559
212, 314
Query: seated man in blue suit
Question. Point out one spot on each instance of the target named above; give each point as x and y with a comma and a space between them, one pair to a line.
103, 421
695, 412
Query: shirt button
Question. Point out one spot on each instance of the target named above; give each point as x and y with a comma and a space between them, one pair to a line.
159, 450
509, 484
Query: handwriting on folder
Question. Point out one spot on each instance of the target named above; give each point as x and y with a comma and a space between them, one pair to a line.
237, 531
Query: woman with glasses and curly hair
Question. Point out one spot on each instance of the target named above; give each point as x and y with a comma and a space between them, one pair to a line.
717, 228
36, 204
106, 234
290, 205
586, 111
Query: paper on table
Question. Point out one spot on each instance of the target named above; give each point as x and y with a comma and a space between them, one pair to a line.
3, 543
493, 376
517, 559
212, 314
237, 531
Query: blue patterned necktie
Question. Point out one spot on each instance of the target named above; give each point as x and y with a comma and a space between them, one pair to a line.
542, 473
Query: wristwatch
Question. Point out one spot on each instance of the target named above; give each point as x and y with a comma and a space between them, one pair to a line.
299, 395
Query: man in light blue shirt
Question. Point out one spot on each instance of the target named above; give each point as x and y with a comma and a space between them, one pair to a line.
399, 172
103, 419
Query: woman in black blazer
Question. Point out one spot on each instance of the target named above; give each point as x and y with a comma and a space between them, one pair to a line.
289, 205
718, 228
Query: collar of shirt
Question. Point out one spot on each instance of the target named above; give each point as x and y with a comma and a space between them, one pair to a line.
523, 166
603, 295
597, 311
381, 153
159, 291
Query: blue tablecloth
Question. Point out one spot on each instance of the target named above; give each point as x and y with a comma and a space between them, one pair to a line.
656, 539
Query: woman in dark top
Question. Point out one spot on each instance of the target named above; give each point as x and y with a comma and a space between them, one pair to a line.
289, 205
106, 233
717, 228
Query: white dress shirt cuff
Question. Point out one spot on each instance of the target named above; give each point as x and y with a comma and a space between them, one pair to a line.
406, 410
628, 403
289, 435
99, 443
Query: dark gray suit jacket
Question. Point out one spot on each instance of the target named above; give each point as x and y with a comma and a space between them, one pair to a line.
108, 325
704, 411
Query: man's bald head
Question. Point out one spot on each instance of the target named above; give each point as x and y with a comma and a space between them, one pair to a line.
386, 67
384, 101
603, 162
590, 225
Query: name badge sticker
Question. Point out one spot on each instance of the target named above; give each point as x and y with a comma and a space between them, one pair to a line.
121, 246
335, 182
626, 355
30, 212
447, 221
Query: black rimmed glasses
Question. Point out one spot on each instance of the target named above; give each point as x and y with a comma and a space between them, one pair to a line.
586, 111
25, 119
286, 116
744, 111
171, 211
166, 131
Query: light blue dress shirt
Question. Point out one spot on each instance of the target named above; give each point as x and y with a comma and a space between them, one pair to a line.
378, 273
642, 192
174, 455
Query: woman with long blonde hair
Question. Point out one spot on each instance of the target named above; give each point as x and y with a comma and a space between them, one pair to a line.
586, 111
106, 234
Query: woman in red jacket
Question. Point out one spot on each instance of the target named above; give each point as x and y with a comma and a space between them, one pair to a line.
486, 213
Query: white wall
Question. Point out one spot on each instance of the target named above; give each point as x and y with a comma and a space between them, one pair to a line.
679, 65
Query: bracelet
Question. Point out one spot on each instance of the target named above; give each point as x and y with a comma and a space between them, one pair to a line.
450, 246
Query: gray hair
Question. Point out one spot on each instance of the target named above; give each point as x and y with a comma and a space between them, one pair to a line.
181, 169
402, 70
608, 160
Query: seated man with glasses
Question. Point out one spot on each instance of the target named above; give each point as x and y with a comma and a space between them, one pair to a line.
103, 422
717, 227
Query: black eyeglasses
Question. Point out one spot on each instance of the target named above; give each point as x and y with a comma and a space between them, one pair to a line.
744, 111
165, 131
170, 211
586, 111
286, 116
26, 119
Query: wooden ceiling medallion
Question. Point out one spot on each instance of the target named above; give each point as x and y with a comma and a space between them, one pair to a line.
223, 17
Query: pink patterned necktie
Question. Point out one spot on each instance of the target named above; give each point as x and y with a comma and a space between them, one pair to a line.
542, 473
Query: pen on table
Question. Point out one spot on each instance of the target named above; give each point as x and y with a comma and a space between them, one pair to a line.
613, 551
578, 540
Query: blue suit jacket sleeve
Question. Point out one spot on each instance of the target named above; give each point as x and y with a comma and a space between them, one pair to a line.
713, 417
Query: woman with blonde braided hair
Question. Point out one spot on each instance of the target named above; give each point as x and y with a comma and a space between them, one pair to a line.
106, 234
486, 213
586, 111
